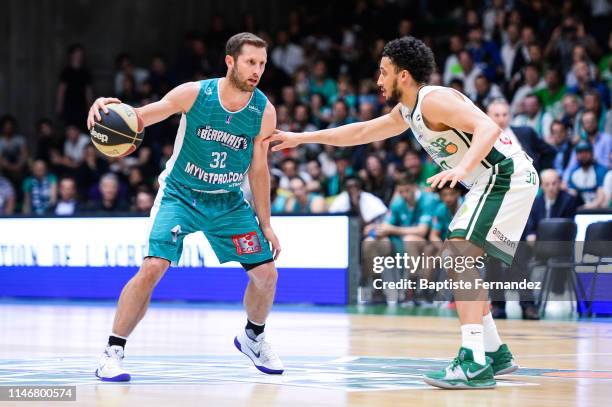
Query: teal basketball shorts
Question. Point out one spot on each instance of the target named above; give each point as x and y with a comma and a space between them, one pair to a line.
226, 219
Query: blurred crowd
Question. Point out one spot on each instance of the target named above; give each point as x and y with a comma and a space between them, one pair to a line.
541, 69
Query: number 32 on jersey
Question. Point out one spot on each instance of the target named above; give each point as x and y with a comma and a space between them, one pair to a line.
218, 160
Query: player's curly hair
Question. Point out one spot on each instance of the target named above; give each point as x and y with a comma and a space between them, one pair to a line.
412, 55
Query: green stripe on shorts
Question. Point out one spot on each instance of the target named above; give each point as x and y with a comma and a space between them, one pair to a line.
494, 199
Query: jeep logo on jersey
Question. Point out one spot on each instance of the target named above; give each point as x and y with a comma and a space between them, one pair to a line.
443, 147
227, 139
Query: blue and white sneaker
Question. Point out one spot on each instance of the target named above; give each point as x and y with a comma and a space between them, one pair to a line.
260, 352
110, 365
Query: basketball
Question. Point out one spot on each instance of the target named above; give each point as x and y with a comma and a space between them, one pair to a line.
116, 133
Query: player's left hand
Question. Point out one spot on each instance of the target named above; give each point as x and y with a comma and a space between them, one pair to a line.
271, 236
453, 175
287, 140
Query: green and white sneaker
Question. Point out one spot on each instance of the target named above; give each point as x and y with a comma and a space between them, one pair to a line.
503, 361
462, 373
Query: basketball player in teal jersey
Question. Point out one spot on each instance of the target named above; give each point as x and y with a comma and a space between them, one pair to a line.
220, 139
471, 149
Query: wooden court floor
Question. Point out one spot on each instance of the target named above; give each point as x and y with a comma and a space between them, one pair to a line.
184, 356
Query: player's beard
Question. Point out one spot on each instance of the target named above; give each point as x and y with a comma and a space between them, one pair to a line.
396, 94
242, 85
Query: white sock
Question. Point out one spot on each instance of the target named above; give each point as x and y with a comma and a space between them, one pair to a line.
472, 338
492, 341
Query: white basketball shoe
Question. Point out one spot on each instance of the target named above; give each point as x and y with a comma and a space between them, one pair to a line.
110, 365
260, 352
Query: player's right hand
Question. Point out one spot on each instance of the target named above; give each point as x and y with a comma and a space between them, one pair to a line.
287, 140
94, 110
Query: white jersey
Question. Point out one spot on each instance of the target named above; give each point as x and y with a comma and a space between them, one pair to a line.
448, 147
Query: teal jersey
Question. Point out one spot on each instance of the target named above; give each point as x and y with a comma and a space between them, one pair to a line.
443, 218
421, 214
214, 147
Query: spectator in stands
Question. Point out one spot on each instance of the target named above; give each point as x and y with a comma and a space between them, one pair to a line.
367, 94
286, 55
340, 114
129, 93
534, 116
553, 202
302, 201
532, 83
563, 40
136, 182
571, 115
301, 120
552, 94
354, 200
376, 180
13, 151
523, 56
125, 68
67, 203
48, 144
283, 119
484, 53
509, 49
562, 145
160, 79
110, 201
321, 113
144, 203
74, 147
290, 169
74, 93
289, 97
278, 196
342, 159
450, 201
346, 93
321, 83
469, 72
7, 197
600, 142
318, 181
579, 54
603, 116
485, 92
421, 171
90, 171
587, 82
411, 214
540, 152
39, 190
195, 59
586, 180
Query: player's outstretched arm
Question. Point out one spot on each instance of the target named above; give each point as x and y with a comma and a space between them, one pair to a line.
259, 177
179, 99
446, 107
353, 134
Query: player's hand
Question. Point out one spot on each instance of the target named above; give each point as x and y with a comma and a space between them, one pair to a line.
453, 175
271, 236
94, 110
287, 140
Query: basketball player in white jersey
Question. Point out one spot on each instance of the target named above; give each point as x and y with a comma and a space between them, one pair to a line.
471, 149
